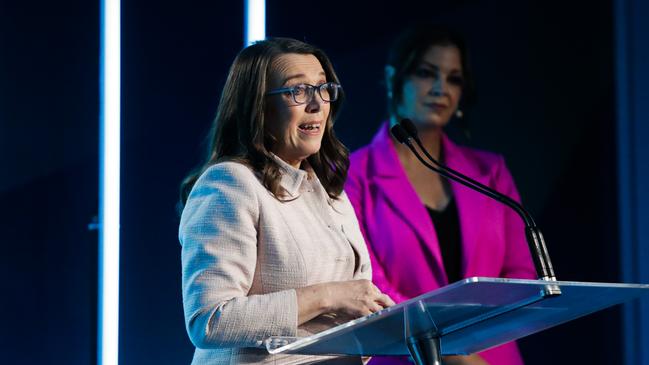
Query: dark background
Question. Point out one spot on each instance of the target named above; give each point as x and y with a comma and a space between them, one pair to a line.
545, 100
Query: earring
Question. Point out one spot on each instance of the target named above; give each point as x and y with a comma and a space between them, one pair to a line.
459, 114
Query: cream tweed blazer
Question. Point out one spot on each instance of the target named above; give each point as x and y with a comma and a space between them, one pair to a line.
244, 252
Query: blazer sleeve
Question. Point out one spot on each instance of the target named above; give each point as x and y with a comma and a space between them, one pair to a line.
218, 233
518, 261
354, 190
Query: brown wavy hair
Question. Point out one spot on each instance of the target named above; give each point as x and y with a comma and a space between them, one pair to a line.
239, 130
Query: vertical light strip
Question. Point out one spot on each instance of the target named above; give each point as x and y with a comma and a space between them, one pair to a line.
625, 180
632, 78
255, 22
109, 178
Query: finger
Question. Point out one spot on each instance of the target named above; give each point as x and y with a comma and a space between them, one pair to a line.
390, 301
385, 300
382, 298
366, 311
374, 307
354, 312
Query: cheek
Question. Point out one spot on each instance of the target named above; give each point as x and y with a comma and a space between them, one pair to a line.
292, 119
456, 94
410, 92
278, 120
409, 96
326, 109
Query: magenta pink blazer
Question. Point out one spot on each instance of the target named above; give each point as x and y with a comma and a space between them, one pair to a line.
399, 230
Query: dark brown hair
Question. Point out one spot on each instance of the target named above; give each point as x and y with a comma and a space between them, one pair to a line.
239, 131
410, 47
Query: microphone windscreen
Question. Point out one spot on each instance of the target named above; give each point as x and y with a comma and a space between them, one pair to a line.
410, 128
399, 133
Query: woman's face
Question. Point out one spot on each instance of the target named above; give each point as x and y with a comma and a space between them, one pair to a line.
432, 92
298, 128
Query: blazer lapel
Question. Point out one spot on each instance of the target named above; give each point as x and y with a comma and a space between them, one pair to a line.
470, 204
390, 180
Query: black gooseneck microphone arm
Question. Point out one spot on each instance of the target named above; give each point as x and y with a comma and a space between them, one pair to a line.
406, 132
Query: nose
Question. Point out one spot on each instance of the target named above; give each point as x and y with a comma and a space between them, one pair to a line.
315, 104
439, 87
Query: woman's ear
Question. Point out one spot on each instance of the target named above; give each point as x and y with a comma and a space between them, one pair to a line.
389, 79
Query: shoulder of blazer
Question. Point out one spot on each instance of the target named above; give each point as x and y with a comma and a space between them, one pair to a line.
229, 172
358, 160
233, 179
485, 162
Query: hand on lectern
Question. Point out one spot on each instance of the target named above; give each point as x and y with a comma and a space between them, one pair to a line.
346, 299
356, 298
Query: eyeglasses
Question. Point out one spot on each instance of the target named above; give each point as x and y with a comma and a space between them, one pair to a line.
303, 93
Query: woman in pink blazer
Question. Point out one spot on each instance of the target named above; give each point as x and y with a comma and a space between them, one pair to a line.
424, 231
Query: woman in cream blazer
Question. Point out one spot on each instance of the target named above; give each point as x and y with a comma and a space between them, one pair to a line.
270, 242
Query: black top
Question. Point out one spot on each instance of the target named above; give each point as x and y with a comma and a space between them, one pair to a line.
447, 227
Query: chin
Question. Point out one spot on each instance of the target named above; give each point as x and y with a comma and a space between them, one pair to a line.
310, 150
435, 121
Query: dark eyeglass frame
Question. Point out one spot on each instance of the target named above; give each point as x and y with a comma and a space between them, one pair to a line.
310, 91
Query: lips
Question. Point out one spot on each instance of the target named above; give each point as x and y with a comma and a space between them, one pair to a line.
436, 106
310, 128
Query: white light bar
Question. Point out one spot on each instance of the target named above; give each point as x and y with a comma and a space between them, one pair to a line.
255, 22
109, 177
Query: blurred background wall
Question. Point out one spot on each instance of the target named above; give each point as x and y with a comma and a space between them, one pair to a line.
547, 97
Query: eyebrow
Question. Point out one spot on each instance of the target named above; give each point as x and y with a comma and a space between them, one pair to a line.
437, 68
429, 64
299, 76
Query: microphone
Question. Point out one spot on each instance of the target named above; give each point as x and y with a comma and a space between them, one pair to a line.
411, 132
406, 133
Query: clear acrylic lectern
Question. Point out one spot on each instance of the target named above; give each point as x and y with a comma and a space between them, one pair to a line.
462, 318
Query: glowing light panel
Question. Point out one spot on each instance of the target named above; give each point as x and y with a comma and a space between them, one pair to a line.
255, 22
109, 175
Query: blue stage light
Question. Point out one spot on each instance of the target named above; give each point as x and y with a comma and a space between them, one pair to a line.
255, 23
109, 178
